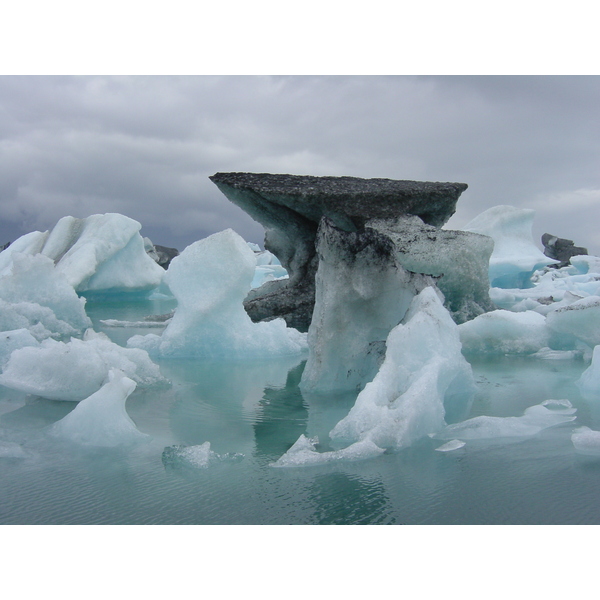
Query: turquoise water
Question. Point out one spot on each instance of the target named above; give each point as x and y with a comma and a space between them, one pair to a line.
251, 413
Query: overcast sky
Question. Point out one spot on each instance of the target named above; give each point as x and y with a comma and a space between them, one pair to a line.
145, 146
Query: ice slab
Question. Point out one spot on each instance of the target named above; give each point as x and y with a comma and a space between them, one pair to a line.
451, 446
549, 413
515, 256
580, 319
74, 370
505, 332
210, 280
101, 419
304, 453
423, 381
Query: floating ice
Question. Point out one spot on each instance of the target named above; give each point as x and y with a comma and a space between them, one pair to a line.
33, 293
423, 380
101, 419
100, 252
580, 319
76, 369
549, 413
13, 340
586, 441
304, 453
589, 382
210, 280
505, 332
515, 256
451, 445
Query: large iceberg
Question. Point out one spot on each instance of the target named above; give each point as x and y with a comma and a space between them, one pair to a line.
210, 280
515, 256
101, 419
103, 252
76, 369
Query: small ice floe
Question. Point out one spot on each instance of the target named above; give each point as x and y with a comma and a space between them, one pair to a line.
140, 324
451, 445
550, 413
198, 456
304, 453
586, 441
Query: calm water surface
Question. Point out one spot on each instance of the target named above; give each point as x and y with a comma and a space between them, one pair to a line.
251, 413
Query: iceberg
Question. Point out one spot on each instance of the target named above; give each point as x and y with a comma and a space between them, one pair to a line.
101, 419
103, 252
423, 383
76, 369
210, 280
515, 256
13, 340
33, 295
579, 319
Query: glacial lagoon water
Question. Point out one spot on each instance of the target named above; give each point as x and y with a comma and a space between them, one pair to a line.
252, 413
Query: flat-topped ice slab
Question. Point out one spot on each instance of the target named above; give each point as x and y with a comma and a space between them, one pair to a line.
348, 201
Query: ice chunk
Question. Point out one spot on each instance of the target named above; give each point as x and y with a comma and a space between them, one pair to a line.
580, 319
100, 252
210, 280
197, 457
589, 381
515, 256
76, 369
13, 340
304, 453
451, 445
101, 419
549, 354
505, 332
38, 293
423, 380
586, 441
549, 413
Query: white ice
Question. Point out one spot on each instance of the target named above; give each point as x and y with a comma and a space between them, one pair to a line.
423, 380
549, 413
505, 332
451, 446
75, 369
101, 419
33, 295
586, 441
515, 256
589, 382
210, 280
580, 319
13, 340
100, 252
304, 453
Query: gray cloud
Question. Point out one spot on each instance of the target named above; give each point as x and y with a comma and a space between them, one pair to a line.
145, 146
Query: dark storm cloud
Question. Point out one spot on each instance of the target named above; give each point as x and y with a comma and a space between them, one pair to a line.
145, 146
